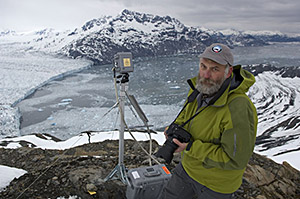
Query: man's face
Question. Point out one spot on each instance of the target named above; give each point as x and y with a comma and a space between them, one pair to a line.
211, 76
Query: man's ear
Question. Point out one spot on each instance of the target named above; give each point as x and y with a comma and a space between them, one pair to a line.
229, 71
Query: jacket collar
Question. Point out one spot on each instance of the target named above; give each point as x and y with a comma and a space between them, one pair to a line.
240, 82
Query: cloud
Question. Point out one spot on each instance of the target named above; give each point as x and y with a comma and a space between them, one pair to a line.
280, 15
61, 14
219, 14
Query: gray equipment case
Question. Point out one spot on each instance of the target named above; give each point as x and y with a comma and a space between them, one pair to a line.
147, 182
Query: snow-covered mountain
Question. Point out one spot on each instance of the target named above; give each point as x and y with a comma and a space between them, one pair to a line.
266, 36
145, 35
276, 96
142, 34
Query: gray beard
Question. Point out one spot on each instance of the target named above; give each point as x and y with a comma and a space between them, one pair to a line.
209, 90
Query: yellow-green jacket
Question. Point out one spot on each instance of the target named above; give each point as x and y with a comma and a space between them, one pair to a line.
223, 136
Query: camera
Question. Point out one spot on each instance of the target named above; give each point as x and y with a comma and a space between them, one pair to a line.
122, 62
168, 148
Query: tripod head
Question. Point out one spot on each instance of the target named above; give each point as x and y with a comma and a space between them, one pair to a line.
125, 78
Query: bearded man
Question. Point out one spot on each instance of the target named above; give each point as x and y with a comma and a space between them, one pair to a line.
223, 130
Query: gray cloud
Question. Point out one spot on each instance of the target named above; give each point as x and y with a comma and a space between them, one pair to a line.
275, 15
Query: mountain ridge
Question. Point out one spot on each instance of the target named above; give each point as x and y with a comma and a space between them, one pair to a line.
142, 34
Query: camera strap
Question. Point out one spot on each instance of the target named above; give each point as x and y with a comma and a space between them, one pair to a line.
194, 95
190, 98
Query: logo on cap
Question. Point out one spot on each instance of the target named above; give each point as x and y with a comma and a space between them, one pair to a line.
217, 49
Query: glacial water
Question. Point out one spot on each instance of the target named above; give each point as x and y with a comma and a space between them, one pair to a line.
83, 101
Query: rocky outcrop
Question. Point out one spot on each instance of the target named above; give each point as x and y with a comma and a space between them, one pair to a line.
80, 172
271, 180
284, 71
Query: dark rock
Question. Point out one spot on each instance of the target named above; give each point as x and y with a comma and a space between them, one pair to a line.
81, 172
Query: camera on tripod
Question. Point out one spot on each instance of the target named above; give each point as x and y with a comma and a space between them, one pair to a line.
122, 62
143, 182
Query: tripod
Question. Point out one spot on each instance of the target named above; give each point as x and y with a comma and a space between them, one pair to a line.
119, 172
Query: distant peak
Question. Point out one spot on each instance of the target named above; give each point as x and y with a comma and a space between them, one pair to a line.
127, 12
144, 17
133, 13
95, 22
7, 32
44, 31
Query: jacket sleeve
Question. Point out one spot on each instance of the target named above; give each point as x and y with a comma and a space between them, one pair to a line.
181, 117
236, 143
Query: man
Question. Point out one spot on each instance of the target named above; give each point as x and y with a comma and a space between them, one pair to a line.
223, 132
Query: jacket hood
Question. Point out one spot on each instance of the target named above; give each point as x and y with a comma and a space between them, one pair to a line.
241, 81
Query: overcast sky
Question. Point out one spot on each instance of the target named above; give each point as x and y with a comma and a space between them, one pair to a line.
274, 15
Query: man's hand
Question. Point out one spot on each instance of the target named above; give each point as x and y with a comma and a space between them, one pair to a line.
181, 146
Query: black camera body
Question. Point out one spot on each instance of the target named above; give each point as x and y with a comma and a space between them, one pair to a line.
168, 148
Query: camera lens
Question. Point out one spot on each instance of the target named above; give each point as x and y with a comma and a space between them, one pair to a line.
167, 150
